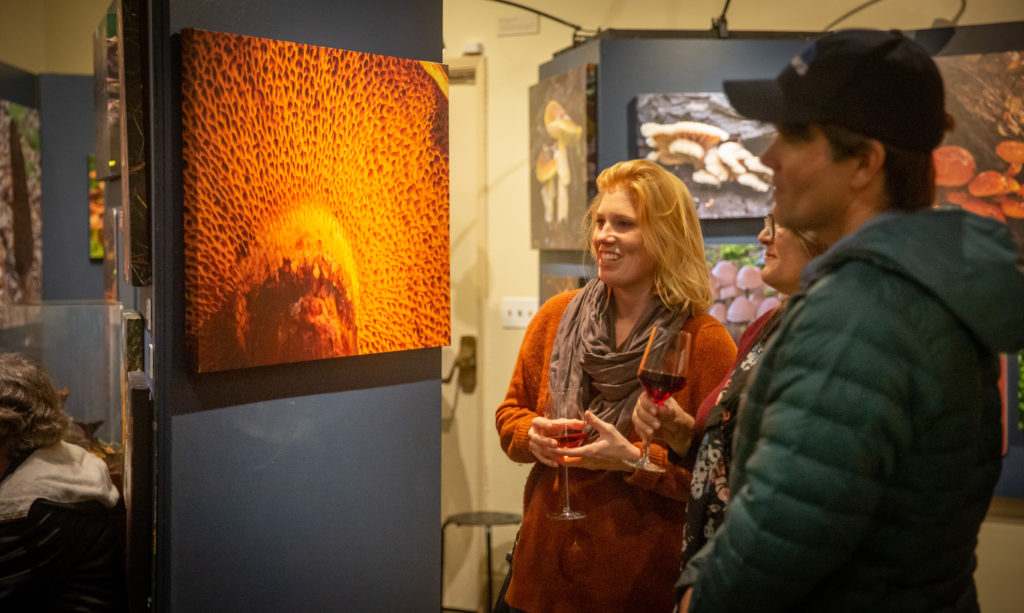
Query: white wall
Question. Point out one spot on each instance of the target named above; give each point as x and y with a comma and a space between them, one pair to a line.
512, 266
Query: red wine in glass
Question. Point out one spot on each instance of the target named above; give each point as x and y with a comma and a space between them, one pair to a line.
569, 439
565, 410
662, 373
660, 385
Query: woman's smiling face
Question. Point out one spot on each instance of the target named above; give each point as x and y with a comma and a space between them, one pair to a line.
623, 261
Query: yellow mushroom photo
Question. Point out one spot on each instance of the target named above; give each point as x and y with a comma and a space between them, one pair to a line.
562, 157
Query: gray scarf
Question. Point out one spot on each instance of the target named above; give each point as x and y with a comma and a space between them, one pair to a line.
585, 357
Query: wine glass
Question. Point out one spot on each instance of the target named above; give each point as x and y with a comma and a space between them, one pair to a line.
662, 373
565, 410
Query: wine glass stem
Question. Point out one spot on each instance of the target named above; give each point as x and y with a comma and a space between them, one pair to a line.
565, 485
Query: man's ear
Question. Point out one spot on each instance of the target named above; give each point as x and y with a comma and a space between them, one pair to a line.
870, 161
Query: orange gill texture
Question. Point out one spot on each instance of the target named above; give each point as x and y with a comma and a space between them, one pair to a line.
315, 202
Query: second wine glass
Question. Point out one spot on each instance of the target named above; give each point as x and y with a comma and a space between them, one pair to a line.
662, 373
565, 410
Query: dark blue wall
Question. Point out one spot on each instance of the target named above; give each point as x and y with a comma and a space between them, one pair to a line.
65, 123
300, 487
19, 86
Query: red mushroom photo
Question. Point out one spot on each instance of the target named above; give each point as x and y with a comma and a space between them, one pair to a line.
978, 168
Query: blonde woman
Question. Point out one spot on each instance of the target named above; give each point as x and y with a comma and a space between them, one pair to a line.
624, 555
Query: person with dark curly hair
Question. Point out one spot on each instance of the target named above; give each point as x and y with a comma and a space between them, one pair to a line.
58, 550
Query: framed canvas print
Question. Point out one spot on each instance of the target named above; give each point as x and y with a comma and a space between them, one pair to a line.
551, 285
21, 227
111, 224
563, 157
133, 151
1019, 407
315, 202
740, 295
106, 95
978, 166
702, 140
96, 209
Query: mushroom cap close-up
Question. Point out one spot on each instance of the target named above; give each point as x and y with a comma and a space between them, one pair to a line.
954, 166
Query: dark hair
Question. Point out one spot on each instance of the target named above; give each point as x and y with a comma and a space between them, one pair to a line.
909, 175
31, 411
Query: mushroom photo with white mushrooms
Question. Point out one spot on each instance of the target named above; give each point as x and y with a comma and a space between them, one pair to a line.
701, 139
562, 157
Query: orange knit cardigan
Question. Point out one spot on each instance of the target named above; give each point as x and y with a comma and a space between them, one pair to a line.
624, 556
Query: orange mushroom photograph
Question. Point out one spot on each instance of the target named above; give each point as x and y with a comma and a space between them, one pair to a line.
316, 221
563, 157
978, 166
701, 139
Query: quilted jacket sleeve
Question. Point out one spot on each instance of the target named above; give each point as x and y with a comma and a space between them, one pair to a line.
817, 438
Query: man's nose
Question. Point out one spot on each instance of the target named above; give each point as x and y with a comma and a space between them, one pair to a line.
770, 156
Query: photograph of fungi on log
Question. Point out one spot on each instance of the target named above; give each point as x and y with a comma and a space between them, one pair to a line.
563, 157
702, 140
978, 166
21, 226
315, 202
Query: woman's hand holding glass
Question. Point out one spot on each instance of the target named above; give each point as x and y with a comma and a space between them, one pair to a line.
608, 451
542, 442
667, 422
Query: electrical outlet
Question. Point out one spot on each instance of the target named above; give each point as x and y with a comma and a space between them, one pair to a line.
517, 311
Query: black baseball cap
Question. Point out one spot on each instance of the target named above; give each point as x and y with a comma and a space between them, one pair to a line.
877, 83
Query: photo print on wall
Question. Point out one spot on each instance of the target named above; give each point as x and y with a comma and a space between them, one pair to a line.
563, 157
133, 150
739, 294
552, 285
106, 95
702, 140
21, 227
1020, 391
97, 188
111, 223
315, 202
978, 166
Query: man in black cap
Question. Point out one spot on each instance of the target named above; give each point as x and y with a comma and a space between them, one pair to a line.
870, 441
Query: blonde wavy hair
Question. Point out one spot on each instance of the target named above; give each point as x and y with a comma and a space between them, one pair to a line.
667, 220
31, 411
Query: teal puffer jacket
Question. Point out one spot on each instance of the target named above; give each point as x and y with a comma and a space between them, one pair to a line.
869, 445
